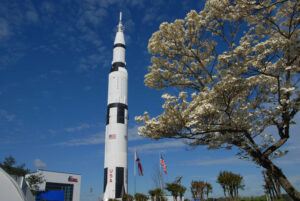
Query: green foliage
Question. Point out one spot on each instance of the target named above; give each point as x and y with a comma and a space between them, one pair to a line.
231, 183
157, 194
9, 165
112, 199
34, 180
127, 197
257, 198
200, 188
176, 190
140, 197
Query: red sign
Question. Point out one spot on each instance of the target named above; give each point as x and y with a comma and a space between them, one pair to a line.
72, 179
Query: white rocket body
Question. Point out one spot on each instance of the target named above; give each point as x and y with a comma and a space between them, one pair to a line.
115, 161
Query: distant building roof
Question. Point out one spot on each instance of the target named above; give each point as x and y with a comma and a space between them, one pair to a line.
57, 172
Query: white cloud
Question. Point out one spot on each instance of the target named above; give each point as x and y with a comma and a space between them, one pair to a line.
57, 72
288, 161
6, 115
253, 184
149, 147
82, 126
87, 88
39, 164
32, 16
4, 29
213, 162
295, 179
97, 138
93, 61
133, 134
136, 3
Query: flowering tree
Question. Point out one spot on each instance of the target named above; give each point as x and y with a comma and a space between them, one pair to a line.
236, 65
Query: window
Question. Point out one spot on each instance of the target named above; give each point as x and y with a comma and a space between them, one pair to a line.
67, 188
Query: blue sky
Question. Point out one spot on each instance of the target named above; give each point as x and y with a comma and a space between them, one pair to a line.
54, 62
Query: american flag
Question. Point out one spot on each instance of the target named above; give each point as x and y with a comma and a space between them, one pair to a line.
112, 136
163, 164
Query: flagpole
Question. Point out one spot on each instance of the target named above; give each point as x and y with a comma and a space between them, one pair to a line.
160, 174
167, 175
134, 173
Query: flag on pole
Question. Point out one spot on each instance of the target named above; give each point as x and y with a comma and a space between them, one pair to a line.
163, 164
139, 164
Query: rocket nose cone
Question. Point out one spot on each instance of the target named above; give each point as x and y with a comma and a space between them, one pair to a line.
120, 35
119, 39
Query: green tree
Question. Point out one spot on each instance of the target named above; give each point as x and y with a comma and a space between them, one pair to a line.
271, 186
236, 65
176, 190
231, 183
140, 197
199, 189
181, 192
152, 194
157, 194
9, 165
208, 190
127, 197
110, 199
34, 180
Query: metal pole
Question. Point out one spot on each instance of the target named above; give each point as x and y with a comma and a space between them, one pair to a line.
134, 169
160, 174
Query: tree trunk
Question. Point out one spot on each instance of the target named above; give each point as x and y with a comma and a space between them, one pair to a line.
277, 173
224, 190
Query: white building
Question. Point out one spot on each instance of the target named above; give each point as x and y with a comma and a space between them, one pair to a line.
69, 183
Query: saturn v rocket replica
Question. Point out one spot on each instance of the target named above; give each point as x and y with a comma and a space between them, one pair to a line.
115, 160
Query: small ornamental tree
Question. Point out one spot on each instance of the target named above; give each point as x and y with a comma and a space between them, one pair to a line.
34, 180
176, 190
140, 197
231, 183
208, 190
127, 197
157, 194
237, 67
199, 189
152, 194
181, 192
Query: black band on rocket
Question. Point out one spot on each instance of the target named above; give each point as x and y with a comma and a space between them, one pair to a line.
117, 105
116, 65
120, 112
119, 45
